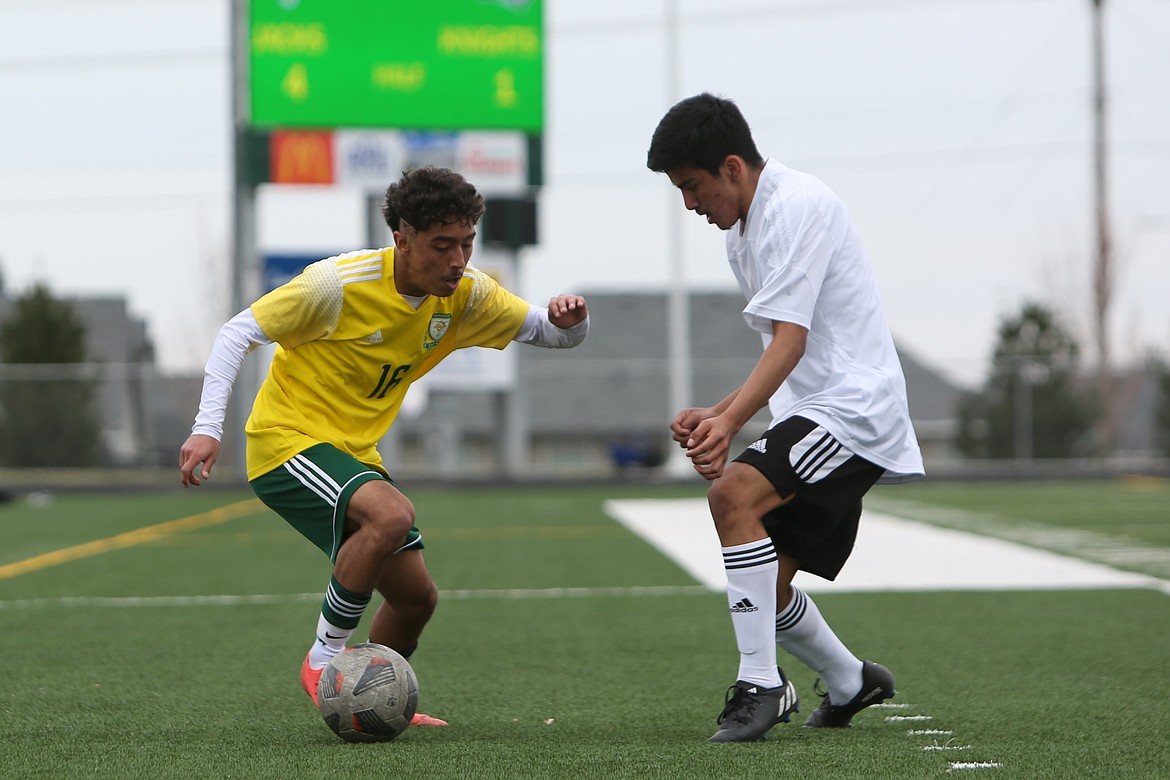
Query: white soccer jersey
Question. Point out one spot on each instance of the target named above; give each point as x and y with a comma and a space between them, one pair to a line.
800, 260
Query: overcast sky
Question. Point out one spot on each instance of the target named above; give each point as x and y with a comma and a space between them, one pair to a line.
957, 131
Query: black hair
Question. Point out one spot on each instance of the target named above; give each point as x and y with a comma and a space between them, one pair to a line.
429, 196
700, 132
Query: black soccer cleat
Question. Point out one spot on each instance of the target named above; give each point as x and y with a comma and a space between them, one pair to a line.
750, 711
877, 684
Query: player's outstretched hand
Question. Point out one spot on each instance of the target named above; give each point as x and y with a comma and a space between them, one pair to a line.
565, 311
198, 449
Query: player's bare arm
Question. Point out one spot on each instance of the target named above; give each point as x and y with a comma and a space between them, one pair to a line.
710, 442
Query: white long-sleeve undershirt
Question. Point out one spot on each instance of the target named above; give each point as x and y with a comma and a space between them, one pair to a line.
241, 334
539, 331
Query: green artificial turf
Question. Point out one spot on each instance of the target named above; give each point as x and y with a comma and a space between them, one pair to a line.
178, 657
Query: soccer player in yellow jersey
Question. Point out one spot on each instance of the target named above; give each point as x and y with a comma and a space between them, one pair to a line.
352, 333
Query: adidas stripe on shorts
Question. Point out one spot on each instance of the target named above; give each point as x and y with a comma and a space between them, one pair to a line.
311, 491
819, 525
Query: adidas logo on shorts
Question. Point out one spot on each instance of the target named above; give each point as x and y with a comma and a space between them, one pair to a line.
760, 446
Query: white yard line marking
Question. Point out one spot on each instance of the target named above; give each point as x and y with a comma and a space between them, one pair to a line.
906, 718
974, 765
1111, 550
517, 594
929, 733
583, 593
892, 554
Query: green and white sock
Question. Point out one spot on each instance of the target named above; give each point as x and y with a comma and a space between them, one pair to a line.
340, 614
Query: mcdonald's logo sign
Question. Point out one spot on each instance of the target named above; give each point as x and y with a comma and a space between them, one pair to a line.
301, 157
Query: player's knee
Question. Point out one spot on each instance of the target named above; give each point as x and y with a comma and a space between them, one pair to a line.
427, 601
388, 528
416, 605
741, 494
725, 498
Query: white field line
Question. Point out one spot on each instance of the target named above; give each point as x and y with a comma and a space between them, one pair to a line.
892, 554
298, 598
1111, 550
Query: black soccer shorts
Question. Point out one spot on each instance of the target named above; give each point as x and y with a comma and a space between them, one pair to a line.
819, 525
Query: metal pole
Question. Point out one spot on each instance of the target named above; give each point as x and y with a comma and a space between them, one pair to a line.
1102, 271
517, 454
678, 303
243, 239
1103, 263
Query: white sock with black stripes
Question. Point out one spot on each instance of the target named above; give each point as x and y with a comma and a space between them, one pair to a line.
751, 597
802, 631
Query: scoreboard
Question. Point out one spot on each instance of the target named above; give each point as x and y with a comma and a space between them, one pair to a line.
405, 64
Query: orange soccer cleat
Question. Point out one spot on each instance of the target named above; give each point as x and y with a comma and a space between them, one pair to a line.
420, 719
309, 680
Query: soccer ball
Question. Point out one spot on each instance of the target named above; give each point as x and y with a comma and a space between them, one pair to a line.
368, 693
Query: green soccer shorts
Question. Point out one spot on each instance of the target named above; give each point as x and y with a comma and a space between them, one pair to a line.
311, 491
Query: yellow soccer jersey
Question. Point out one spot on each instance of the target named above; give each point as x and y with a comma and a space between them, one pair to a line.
348, 347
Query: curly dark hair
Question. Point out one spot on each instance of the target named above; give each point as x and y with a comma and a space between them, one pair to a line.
429, 196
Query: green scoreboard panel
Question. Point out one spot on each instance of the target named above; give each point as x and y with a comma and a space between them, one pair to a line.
409, 64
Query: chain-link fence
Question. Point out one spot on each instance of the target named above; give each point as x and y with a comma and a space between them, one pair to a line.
94, 415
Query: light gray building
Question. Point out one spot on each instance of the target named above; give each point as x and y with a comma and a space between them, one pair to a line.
606, 403
587, 412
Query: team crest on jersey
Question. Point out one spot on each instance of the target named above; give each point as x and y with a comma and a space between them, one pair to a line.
439, 325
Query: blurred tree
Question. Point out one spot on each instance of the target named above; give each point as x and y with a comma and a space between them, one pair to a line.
1031, 405
1161, 370
46, 419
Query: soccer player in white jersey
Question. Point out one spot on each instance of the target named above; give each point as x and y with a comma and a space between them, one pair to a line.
834, 386
352, 333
